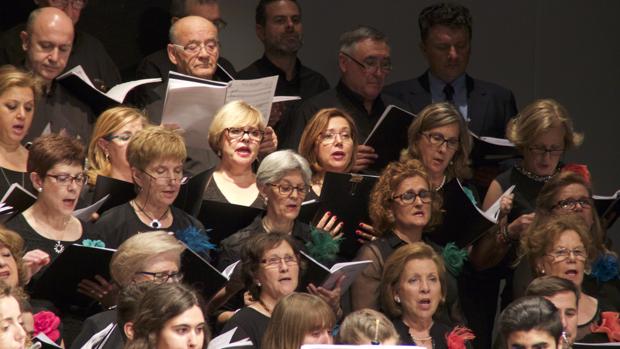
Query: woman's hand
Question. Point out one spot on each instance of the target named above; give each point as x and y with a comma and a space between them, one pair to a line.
330, 224
366, 233
332, 297
520, 225
269, 144
505, 205
366, 156
100, 290
34, 260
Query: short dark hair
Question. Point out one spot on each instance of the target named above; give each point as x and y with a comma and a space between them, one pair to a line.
531, 313
445, 13
52, 149
252, 252
549, 286
350, 38
261, 10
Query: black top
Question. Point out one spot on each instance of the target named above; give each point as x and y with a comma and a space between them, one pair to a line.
525, 192
232, 245
121, 222
250, 323
213, 193
306, 83
438, 333
97, 323
9, 177
341, 97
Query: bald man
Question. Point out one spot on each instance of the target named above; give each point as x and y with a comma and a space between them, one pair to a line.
47, 43
157, 64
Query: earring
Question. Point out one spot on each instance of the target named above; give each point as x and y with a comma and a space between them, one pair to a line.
258, 284
39, 189
542, 271
107, 156
397, 299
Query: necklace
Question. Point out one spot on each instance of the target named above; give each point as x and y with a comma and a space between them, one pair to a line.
264, 306
7, 178
443, 181
155, 223
59, 247
535, 177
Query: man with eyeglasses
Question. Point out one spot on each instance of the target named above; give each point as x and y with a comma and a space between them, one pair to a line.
279, 28
47, 43
87, 50
364, 63
157, 64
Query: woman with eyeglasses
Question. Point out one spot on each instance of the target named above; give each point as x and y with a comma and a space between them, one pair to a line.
18, 93
156, 156
153, 257
562, 246
236, 136
270, 269
108, 145
56, 167
402, 208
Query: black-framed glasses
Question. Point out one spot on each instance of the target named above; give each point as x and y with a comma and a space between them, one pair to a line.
66, 179
123, 137
76, 4
275, 261
329, 137
542, 151
571, 204
236, 133
409, 197
437, 140
372, 64
163, 277
562, 254
287, 190
165, 180
193, 48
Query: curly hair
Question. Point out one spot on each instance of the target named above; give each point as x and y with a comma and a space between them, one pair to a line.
540, 237
437, 115
14, 242
381, 200
314, 128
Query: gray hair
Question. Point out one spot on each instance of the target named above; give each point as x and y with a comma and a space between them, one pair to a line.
277, 164
349, 39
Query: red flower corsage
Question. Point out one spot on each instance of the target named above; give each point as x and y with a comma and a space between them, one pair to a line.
610, 324
457, 337
579, 169
47, 323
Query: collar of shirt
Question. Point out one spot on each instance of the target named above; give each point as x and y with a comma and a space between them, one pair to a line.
358, 100
460, 92
274, 70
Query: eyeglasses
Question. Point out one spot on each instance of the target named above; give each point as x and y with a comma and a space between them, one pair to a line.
165, 180
542, 151
123, 137
330, 137
571, 204
66, 179
76, 4
562, 254
220, 23
236, 133
287, 190
275, 261
163, 277
437, 140
409, 197
372, 64
193, 48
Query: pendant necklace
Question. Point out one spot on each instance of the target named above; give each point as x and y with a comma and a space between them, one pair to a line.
155, 222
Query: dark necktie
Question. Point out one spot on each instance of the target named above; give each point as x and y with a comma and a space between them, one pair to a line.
448, 90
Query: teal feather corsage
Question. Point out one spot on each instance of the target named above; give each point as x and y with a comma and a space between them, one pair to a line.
454, 258
322, 246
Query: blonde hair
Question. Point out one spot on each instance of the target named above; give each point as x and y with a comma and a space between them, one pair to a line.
539, 117
152, 143
15, 244
380, 206
394, 267
11, 77
233, 114
366, 325
132, 254
108, 122
294, 316
314, 128
437, 115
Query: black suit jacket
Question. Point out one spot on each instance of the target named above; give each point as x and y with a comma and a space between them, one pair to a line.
489, 106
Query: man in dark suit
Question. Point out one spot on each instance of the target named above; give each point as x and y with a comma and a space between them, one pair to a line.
446, 42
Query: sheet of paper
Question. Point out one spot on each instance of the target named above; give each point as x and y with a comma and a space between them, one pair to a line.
230, 269
80, 73
98, 337
257, 93
85, 213
278, 99
120, 91
224, 341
